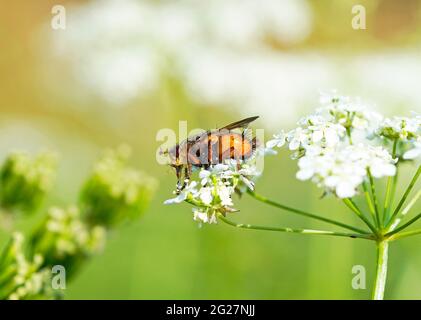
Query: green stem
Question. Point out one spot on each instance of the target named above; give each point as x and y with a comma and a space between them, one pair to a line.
418, 216
394, 184
369, 202
351, 205
387, 197
290, 230
381, 270
405, 234
349, 134
405, 211
405, 196
395, 144
391, 182
303, 213
374, 195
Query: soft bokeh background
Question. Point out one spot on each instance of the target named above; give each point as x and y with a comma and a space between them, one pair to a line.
122, 70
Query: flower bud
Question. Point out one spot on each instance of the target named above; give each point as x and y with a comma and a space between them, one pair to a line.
21, 278
24, 181
115, 192
64, 239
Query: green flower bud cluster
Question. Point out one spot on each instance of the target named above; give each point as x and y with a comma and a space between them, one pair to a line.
21, 278
64, 239
69, 236
115, 192
24, 181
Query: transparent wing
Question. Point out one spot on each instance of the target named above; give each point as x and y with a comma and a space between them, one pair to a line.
240, 124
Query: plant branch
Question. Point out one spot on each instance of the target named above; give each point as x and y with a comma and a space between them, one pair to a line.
418, 216
369, 202
405, 234
351, 205
405, 196
290, 230
405, 211
306, 214
390, 190
374, 195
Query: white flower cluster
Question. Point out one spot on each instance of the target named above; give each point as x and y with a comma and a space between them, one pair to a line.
342, 171
213, 193
338, 118
190, 32
336, 146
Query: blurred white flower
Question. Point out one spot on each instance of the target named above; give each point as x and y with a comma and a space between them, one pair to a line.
120, 48
389, 77
246, 22
218, 49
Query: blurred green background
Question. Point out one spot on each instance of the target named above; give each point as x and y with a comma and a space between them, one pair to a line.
122, 70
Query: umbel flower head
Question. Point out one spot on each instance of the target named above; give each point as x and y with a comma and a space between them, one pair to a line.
343, 144
21, 278
65, 239
115, 192
24, 181
405, 134
342, 171
213, 193
401, 128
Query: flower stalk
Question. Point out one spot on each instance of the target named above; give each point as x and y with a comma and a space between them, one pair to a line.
292, 230
381, 270
404, 197
375, 201
304, 213
351, 205
390, 189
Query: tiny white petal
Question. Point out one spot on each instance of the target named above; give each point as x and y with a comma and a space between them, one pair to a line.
412, 154
345, 190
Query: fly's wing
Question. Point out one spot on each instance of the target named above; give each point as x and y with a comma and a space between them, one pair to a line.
239, 124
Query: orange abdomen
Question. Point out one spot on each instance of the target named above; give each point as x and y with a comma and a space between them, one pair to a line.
215, 148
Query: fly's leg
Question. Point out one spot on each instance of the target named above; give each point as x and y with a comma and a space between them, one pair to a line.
178, 173
187, 174
188, 171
